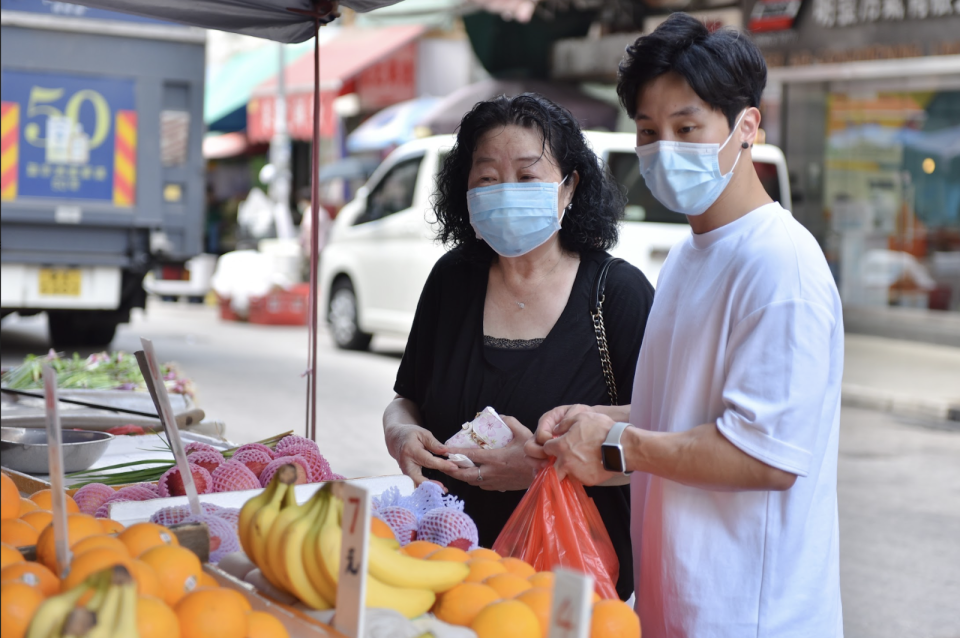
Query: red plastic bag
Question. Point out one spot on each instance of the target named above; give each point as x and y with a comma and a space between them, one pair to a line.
557, 525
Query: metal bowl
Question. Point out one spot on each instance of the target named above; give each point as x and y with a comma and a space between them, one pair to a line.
26, 449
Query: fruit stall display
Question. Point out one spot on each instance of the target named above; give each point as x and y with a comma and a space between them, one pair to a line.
122, 582
423, 564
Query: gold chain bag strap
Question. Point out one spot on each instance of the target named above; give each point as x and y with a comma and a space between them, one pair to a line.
596, 312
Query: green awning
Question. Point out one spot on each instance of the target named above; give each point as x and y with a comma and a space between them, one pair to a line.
228, 87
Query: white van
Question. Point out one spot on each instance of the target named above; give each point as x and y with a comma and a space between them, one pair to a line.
381, 247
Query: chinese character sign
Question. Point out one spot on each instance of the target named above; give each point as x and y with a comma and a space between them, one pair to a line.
69, 136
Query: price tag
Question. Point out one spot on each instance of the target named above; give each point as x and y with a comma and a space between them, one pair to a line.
55, 462
352, 583
147, 359
570, 612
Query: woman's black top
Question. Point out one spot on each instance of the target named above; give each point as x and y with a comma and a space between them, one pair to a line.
451, 375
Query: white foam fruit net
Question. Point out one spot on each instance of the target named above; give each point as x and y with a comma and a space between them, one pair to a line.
223, 535
449, 528
175, 515
428, 496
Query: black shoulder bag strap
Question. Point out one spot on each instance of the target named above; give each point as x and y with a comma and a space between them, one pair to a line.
596, 311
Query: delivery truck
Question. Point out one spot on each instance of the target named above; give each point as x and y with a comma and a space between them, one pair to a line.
102, 167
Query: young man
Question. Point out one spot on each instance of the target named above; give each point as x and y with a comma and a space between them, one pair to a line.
732, 435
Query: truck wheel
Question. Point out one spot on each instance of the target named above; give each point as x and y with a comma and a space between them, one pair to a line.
343, 315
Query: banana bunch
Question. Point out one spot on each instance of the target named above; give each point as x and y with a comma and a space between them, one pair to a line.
297, 548
110, 613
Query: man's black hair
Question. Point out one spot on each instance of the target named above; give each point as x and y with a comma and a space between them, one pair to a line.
724, 68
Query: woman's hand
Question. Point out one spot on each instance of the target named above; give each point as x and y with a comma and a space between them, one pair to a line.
501, 469
414, 448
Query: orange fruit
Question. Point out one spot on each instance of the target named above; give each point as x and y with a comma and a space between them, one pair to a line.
542, 579
539, 600
459, 605
177, 568
91, 542
44, 500
33, 574
18, 604
26, 505
15, 532
9, 555
481, 569
140, 537
111, 526
381, 529
79, 526
148, 583
206, 580
596, 598
521, 568
506, 619
9, 497
420, 549
508, 585
155, 619
90, 562
37, 519
212, 613
483, 552
453, 554
614, 618
262, 625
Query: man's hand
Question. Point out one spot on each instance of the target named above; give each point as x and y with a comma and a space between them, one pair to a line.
576, 446
502, 469
414, 448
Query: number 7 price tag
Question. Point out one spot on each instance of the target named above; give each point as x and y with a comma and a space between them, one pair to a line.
352, 583
570, 612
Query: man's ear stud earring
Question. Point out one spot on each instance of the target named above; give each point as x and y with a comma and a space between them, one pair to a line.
744, 145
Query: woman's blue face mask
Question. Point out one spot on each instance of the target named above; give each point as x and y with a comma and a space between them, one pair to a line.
516, 217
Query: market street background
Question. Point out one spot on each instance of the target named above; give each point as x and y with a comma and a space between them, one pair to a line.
899, 477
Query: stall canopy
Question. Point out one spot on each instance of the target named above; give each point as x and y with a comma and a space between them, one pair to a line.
590, 112
393, 126
280, 20
379, 65
229, 86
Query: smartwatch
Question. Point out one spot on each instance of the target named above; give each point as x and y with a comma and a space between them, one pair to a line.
611, 452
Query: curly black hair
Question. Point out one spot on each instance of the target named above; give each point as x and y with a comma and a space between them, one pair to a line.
723, 67
592, 222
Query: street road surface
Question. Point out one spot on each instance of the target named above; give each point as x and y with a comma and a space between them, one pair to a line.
899, 482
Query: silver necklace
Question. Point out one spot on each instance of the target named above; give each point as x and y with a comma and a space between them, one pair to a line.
521, 304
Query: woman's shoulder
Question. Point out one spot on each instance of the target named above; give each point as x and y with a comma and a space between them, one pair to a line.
456, 267
622, 277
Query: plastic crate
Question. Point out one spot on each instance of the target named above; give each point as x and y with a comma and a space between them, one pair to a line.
281, 307
226, 311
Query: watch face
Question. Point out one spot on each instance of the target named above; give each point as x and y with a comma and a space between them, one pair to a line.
612, 458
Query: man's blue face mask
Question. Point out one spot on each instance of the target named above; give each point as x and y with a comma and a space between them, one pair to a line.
684, 176
517, 217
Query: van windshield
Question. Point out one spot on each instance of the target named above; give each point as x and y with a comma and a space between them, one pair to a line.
643, 207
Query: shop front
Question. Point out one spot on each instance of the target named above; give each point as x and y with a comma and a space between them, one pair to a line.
865, 102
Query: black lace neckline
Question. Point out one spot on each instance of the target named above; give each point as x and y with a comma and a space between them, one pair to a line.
511, 344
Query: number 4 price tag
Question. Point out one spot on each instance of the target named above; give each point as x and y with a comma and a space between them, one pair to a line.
352, 584
570, 613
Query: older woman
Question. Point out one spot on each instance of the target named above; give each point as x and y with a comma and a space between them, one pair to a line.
504, 319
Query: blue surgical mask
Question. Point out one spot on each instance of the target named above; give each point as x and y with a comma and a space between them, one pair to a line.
517, 217
684, 176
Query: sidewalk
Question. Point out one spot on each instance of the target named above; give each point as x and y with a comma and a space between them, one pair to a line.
906, 378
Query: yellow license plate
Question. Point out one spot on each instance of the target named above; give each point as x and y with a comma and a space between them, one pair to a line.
60, 281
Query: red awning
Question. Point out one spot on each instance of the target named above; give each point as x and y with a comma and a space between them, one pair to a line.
379, 64
343, 58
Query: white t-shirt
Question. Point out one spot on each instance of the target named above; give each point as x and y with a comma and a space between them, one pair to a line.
746, 331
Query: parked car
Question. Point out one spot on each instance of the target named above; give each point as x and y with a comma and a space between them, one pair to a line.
381, 247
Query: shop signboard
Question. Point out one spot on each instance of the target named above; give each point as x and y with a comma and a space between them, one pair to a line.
392, 80
69, 137
261, 114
